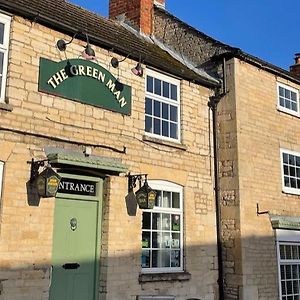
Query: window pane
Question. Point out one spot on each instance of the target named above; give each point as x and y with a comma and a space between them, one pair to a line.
1, 62
293, 96
165, 259
166, 89
292, 160
281, 91
287, 94
175, 200
287, 104
294, 106
146, 220
166, 222
146, 259
157, 86
175, 222
157, 108
148, 124
156, 224
293, 182
286, 170
286, 181
173, 92
146, 239
157, 126
158, 199
166, 240
173, 131
175, 259
1, 33
148, 106
285, 158
165, 128
282, 252
150, 84
166, 199
156, 240
165, 111
173, 113
292, 171
298, 161
175, 240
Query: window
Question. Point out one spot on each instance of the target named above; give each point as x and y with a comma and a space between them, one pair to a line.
290, 162
162, 232
288, 252
4, 41
1, 177
162, 108
288, 99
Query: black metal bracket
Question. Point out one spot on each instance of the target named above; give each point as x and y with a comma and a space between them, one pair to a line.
132, 180
260, 212
35, 165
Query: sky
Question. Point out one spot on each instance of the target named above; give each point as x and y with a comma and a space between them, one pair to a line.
263, 28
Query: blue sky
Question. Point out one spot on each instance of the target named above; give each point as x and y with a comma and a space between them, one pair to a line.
264, 28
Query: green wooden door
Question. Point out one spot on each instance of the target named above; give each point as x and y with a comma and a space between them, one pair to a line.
74, 254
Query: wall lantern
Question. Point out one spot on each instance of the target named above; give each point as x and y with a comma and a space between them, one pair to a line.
145, 196
46, 182
88, 53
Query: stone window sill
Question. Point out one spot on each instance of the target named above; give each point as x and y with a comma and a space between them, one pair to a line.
154, 277
164, 143
6, 106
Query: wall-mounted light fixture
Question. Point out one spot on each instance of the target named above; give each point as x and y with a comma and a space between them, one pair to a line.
145, 196
138, 70
115, 62
88, 53
46, 182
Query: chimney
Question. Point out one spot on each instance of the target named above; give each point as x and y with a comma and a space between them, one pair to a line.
138, 12
295, 69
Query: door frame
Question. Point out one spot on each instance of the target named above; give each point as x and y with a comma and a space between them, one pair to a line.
98, 198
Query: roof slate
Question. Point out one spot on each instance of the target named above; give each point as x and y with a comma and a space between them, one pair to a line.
229, 51
69, 18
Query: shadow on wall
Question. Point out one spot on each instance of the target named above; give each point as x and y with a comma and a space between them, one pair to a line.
119, 276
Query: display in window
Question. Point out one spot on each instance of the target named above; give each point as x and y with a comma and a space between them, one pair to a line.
175, 222
175, 258
146, 239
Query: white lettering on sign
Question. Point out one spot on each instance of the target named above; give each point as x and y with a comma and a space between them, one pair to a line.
80, 70
76, 187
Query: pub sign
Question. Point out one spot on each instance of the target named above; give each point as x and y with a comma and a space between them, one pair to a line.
84, 81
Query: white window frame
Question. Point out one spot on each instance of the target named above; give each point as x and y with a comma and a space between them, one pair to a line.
284, 109
1, 176
285, 237
169, 187
289, 190
4, 19
177, 103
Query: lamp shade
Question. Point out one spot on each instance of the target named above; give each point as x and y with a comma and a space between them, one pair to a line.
47, 183
145, 197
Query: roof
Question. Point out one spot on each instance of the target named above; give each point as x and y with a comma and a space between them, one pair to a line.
69, 18
225, 50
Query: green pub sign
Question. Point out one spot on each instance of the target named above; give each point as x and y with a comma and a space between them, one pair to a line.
86, 82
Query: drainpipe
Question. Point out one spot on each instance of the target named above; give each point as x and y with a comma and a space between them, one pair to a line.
213, 105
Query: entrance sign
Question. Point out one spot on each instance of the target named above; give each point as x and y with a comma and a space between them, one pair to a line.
77, 187
86, 82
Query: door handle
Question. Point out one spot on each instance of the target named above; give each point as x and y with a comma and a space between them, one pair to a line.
71, 266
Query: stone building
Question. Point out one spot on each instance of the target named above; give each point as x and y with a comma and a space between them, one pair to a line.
91, 111
258, 162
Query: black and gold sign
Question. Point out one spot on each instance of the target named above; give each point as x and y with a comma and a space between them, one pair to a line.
47, 183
